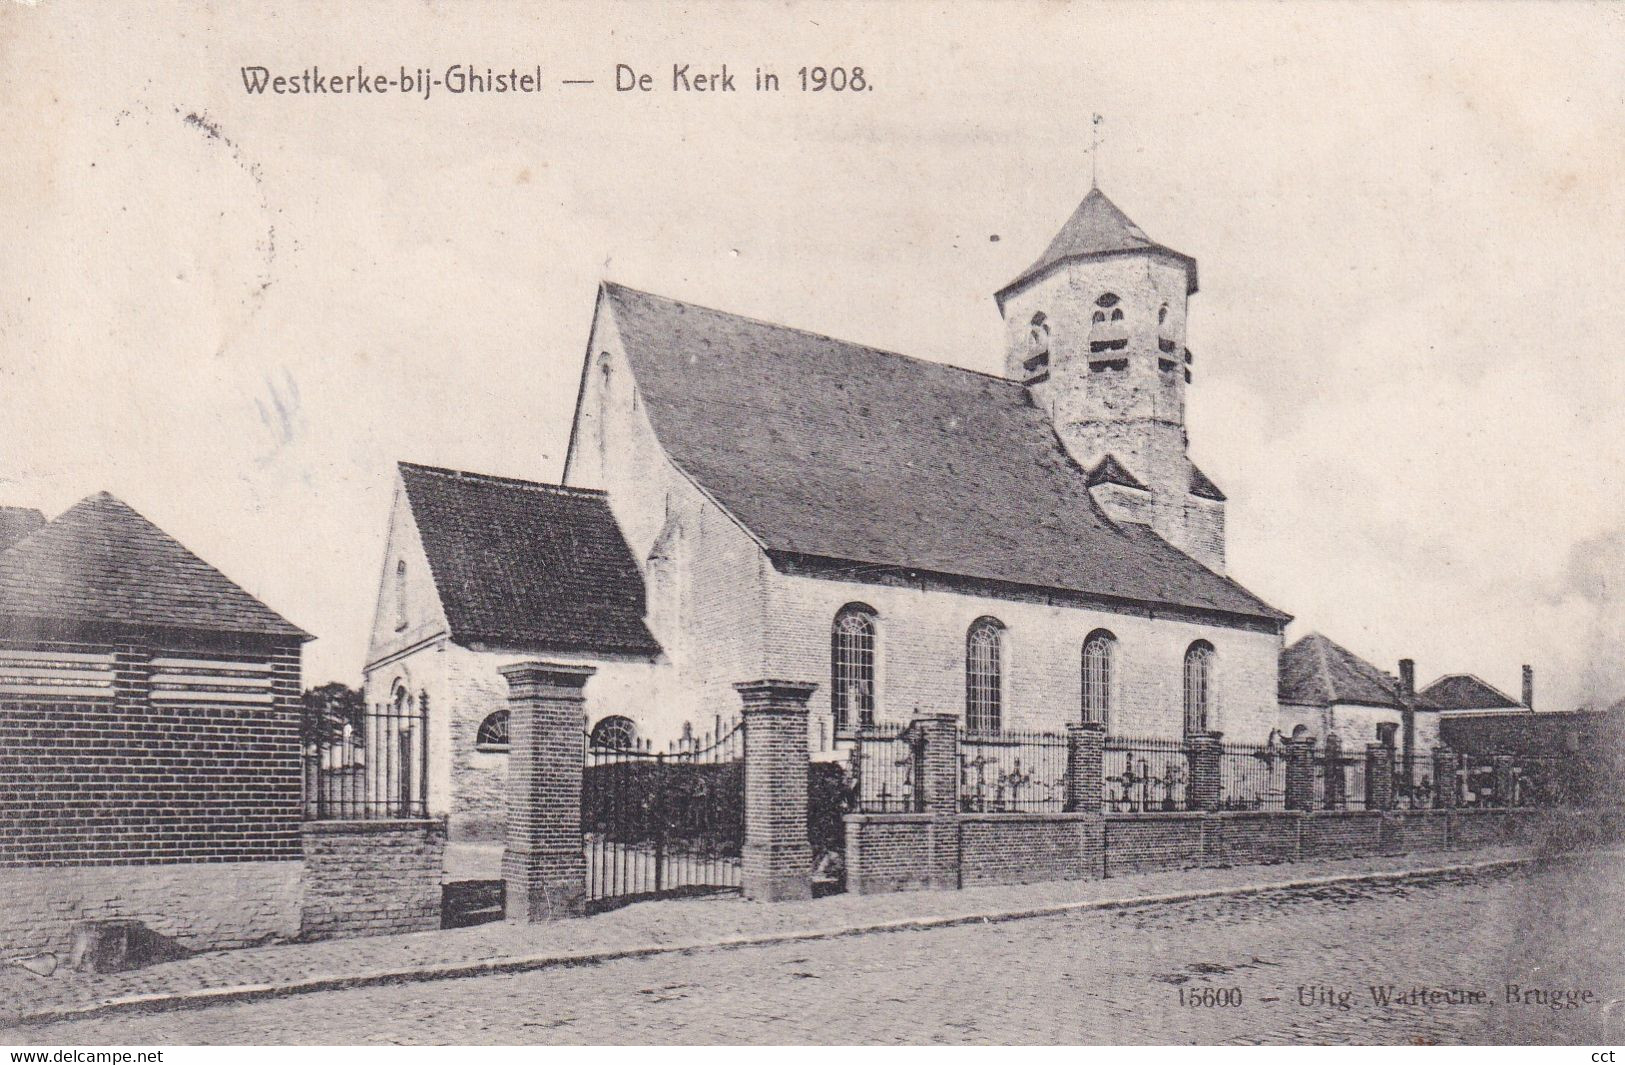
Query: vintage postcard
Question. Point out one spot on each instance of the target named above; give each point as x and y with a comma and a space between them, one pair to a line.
810, 523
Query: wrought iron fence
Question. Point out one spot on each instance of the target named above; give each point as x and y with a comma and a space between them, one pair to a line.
1251, 777
1339, 781
881, 769
1143, 774
377, 770
1012, 772
663, 823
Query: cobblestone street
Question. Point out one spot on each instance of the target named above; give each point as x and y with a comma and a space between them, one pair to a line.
1091, 977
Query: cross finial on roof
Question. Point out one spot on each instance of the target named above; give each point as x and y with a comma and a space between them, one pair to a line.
1094, 151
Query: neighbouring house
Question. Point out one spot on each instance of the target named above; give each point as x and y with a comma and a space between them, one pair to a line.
1325, 688
149, 738
742, 499
1463, 693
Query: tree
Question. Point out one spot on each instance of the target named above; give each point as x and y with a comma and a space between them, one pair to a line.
327, 709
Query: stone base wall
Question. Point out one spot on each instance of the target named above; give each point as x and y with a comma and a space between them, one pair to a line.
199, 905
893, 852
1152, 843
1029, 848
371, 878
888, 852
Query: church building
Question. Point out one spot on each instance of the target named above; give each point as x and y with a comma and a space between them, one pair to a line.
742, 499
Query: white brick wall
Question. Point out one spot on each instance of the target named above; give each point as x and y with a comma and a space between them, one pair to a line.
200, 905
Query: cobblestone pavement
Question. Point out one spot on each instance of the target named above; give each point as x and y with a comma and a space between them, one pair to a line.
1093, 976
668, 923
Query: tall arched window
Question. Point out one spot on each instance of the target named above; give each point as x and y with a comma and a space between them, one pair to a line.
1098, 651
1198, 687
984, 675
852, 666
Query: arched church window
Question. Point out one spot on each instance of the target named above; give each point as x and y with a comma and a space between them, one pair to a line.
1099, 650
615, 733
1107, 333
1036, 364
1198, 687
1162, 314
852, 666
492, 734
984, 675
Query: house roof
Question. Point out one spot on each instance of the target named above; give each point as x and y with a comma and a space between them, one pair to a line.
1098, 229
1318, 672
528, 565
1463, 691
830, 450
102, 563
1109, 471
17, 523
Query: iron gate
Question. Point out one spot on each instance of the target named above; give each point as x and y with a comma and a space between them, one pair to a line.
663, 823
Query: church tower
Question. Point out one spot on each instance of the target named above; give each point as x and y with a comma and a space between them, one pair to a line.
1096, 331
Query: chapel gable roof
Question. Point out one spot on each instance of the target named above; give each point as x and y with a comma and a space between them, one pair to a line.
528, 566
825, 449
101, 563
1463, 691
1318, 672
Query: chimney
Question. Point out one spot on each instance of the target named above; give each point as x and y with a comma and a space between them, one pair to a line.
1529, 687
1407, 678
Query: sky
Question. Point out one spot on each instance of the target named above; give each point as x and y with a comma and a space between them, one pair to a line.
237, 312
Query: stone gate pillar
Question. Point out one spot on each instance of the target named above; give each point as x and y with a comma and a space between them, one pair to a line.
1205, 751
1300, 774
1379, 776
542, 866
1446, 764
777, 859
1085, 744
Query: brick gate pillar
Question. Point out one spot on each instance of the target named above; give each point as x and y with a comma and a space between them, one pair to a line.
936, 782
1379, 776
1205, 751
1300, 774
1336, 791
777, 859
1446, 764
542, 866
1085, 744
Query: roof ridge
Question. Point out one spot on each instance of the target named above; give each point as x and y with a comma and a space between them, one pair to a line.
493, 478
1000, 378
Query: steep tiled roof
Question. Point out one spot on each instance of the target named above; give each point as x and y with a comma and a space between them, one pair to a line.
103, 563
1098, 228
1317, 672
527, 565
1463, 691
830, 450
1109, 471
18, 522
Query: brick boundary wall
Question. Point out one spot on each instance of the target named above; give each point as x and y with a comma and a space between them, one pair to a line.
900, 852
371, 878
